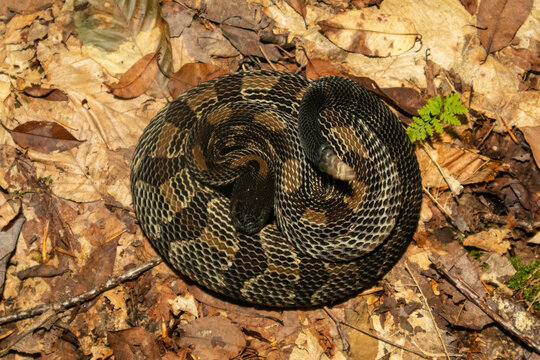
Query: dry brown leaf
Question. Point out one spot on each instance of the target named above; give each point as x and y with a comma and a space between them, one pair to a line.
499, 20
44, 137
191, 75
466, 166
138, 79
532, 135
8, 242
134, 343
490, 240
299, 6
213, 338
370, 32
18, 22
98, 268
248, 43
317, 68
470, 5
47, 94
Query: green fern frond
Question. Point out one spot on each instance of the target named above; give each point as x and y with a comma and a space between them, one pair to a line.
432, 116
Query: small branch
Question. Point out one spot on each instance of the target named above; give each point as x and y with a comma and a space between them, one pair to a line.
424, 300
472, 296
84, 297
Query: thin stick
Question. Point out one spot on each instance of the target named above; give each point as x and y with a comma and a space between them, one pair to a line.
424, 300
470, 294
266, 57
84, 297
346, 345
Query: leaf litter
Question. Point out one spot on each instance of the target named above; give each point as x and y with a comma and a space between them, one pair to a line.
79, 81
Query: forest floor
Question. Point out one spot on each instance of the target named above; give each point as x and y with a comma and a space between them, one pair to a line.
80, 80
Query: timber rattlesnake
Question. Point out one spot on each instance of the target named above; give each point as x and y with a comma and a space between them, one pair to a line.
228, 187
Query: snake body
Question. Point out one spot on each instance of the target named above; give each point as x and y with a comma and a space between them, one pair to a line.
277, 190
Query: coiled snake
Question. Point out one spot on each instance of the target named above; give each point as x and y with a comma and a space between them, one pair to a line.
277, 190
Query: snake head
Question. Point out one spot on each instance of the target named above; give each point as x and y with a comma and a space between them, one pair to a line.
251, 201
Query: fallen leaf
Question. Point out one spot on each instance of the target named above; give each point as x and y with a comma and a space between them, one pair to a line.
191, 75
248, 43
8, 209
464, 165
470, 5
134, 343
41, 270
213, 338
499, 20
98, 268
138, 79
370, 32
47, 94
317, 68
118, 33
8, 242
490, 240
535, 239
299, 6
532, 134
44, 137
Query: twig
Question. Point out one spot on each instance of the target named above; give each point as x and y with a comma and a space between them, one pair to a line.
470, 294
266, 57
424, 299
89, 295
346, 345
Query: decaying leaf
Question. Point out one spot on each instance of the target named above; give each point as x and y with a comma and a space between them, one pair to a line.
138, 79
118, 33
490, 240
466, 166
8, 242
133, 343
370, 32
44, 137
191, 75
499, 20
248, 42
213, 338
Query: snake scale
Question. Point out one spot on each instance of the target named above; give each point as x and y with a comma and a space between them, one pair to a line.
277, 190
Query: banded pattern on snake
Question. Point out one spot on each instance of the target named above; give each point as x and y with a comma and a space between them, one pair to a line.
277, 190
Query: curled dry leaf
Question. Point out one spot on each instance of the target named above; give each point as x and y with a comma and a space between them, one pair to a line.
499, 20
138, 79
44, 137
191, 75
47, 94
370, 32
213, 338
